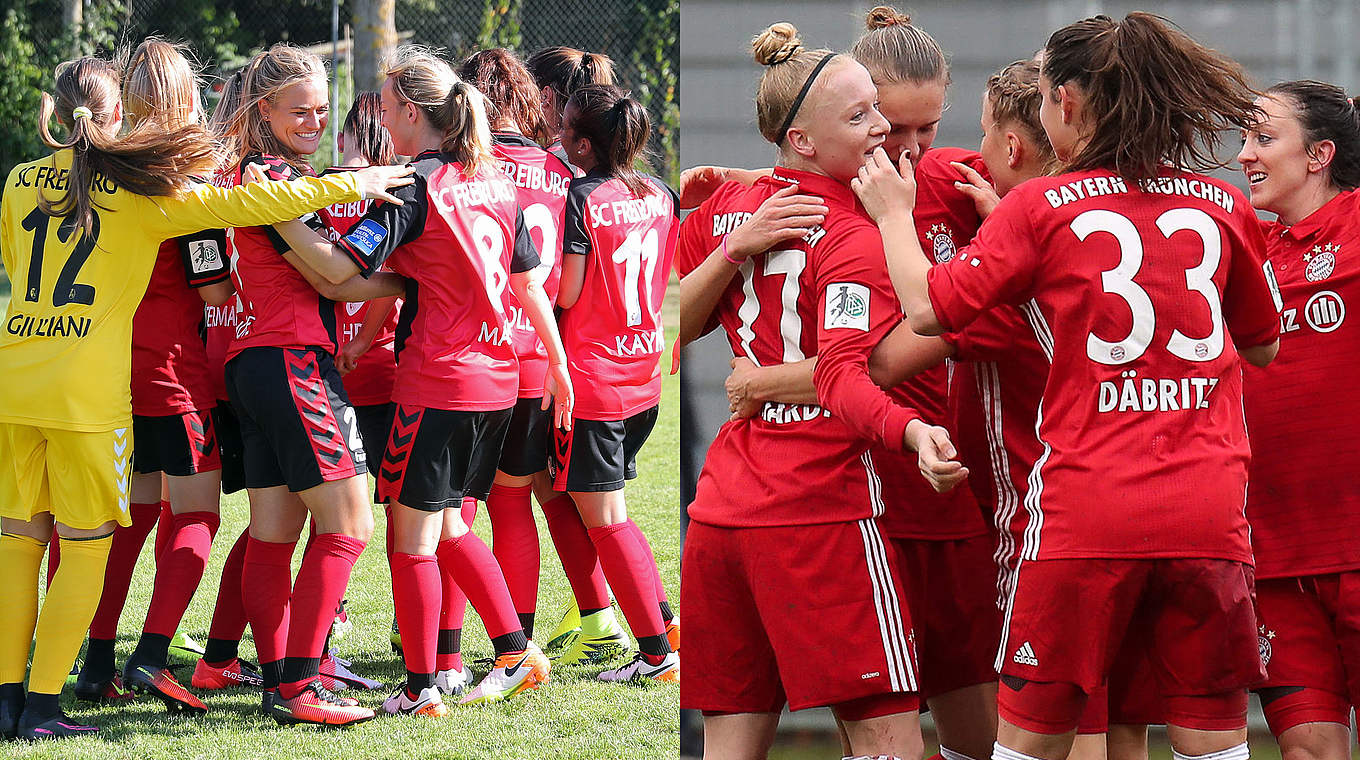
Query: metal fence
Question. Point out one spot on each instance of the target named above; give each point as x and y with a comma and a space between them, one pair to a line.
641, 36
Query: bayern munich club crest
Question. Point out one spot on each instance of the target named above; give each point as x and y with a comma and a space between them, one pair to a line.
941, 243
1321, 261
1263, 644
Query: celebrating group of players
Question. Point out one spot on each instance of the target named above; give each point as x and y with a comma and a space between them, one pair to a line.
520, 194
1160, 518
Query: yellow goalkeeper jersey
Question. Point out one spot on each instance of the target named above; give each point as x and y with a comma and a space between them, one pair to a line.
66, 339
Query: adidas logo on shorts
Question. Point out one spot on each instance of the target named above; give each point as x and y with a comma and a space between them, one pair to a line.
1025, 655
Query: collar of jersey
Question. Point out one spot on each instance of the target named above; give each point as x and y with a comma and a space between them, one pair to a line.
1316, 221
814, 184
513, 138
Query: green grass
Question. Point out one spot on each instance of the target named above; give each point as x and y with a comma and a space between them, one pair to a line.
570, 717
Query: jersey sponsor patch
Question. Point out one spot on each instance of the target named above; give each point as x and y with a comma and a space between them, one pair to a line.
204, 256
367, 236
847, 306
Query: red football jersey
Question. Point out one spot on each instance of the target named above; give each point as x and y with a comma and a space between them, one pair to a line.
220, 328
456, 240
1145, 449
613, 333
829, 296
1009, 372
1303, 499
170, 369
541, 181
946, 220
277, 306
369, 383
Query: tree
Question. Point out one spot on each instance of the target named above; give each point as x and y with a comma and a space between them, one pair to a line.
375, 37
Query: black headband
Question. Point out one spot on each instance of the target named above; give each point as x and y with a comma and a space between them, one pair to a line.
798, 101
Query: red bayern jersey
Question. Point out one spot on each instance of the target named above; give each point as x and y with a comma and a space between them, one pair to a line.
456, 239
829, 296
1129, 289
1008, 372
541, 181
276, 304
613, 333
1303, 499
171, 373
370, 382
946, 220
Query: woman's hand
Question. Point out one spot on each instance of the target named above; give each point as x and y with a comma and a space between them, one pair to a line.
973, 185
375, 181
348, 359
557, 385
935, 455
739, 399
885, 189
785, 215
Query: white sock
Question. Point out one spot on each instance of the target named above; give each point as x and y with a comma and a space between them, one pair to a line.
953, 754
1240, 752
1005, 753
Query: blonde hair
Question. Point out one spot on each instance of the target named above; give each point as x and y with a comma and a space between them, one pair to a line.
148, 160
787, 68
452, 106
268, 74
894, 50
159, 84
1015, 98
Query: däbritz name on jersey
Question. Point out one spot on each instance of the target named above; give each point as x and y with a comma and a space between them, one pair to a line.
1091, 187
1145, 394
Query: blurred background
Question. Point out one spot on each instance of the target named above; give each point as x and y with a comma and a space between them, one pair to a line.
1275, 40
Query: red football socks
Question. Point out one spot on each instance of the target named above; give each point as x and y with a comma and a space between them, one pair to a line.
123, 553
267, 573
651, 562
626, 565
229, 613
179, 568
473, 567
514, 541
580, 562
416, 595
164, 527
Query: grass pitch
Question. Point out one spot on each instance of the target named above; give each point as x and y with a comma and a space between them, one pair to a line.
572, 716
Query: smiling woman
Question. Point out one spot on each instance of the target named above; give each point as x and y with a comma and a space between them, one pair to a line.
763, 537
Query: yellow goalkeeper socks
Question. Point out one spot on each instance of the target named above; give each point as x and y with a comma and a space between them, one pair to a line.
20, 557
67, 611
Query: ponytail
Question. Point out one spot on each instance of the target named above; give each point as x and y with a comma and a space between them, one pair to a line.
467, 133
147, 161
1153, 96
618, 127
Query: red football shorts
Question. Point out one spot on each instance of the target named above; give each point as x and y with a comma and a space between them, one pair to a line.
810, 615
1309, 638
1070, 618
951, 589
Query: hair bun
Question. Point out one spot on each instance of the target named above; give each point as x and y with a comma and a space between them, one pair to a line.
778, 43
885, 16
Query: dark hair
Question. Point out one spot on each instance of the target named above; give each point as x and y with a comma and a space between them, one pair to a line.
1325, 113
363, 124
147, 161
565, 70
502, 77
617, 127
1154, 95
226, 105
